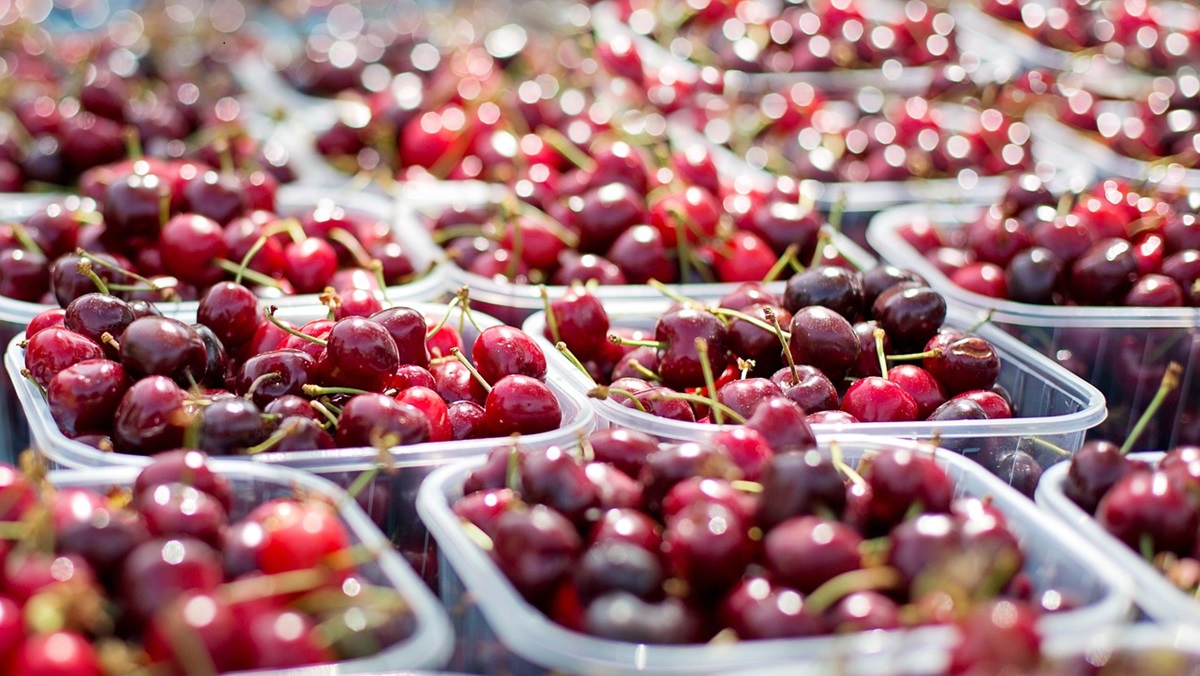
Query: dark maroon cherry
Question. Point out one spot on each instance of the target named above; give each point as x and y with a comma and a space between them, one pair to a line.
229, 425
231, 311
800, 483
535, 548
83, 397
823, 338
909, 314
151, 417
270, 375
835, 288
522, 405
374, 420
407, 328
760, 609
808, 551
165, 347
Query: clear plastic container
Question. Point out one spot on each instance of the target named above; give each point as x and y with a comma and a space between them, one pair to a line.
1107, 346
505, 634
1056, 408
1180, 644
893, 78
291, 199
1065, 140
514, 303
390, 496
430, 645
1154, 594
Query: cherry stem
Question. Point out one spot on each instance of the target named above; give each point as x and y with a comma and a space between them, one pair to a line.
164, 209
839, 463
476, 534
343, 237
167, 292
25, 240
446, 317
84, 267
697, 399
376, 266
457, 353
224, 153
1055, 448
360, 484
512, 469
604, 392
783, 341
28, 375
646, 373
321, 391
674, 294
633, 342
838, 212
551, 320
787, 259
935, 353
680, 222
566, 352
709, 382
325, 412
331, 300
264, 378
271, 441
987, 318
879, 352
13, 530
253, 275
269, 313
107, 338
567, 148
133, 143
1170, 381
819, 251
753, 321
832, 591
746, 486
552, 224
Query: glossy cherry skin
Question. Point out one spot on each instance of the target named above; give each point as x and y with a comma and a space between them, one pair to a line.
760, 609
909, 314
1153, 505
176, 565
299, 534
189, 244
176, 510
830, 287
151, 417
280, 638
782, 424
799, 483
707, 546
582, 322
521, 404
161, 346
231, 311
619, 566
208, 619
275, 374
621, 616
823, 338
407, 328
83, 398
502, 351
230, 425
968, 363
361, 354
535, 548
60, 653
369, 420
901, 478
807, 551
625, 449
679, 363
54, 349
187, 467
1104, 273
94, 314
875, 399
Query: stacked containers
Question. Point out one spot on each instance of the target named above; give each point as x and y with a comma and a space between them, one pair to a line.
291, 199
1055, 408
504, 633
390, 495
1121, 350
429, 646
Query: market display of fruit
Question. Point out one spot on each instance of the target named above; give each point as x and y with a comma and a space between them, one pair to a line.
185, 569
699, 428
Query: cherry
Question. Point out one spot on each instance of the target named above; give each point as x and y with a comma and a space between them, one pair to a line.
580, 321
456, 383
187, 467
535, 548
176, 510
1151, 506
781, 423
808, 387
909, 314
132, 204
216, 360
231, 311
267, 376
360, 353
161, 346
760, 609
744, 396
309, 264
618, 566
920, 385
964, 364
94, 314
467, 420
875, 399
1155, 290
603, 214
230, 425
176, 565
369, 420
501, 351
958, 409
1104, 273
621, 616
24, 275
189, 244
407, 328
823, 338
746, 448
831, 287
521, 404
59, 653
642, 255
83, 397
217, 196
997, 636
1032, 276
207, 619
555, 479
707, 546
625, 449
278, 638
898, 480
51, 350
807, 551
151, 416
299, 535
45, 319
436, 412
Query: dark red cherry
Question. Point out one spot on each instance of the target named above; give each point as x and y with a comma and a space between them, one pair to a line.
1104, 273
521, 404
707, 545
187, 467
823, 338
165, 347
535, 548
909, 314
782, 423
625, 449
501, 351
231, 311
830, 287
807, 551
151, 417
875, 399
176, 510
371, 420
800, 483
54, 349
83, 397
407, 328
360, 353
760, 609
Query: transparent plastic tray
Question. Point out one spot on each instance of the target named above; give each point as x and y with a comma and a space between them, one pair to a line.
1065, 140
291, 199
1181, 640
894, 78
505, 634
1095, 336
431, 643
391, 494
1154, 594
513, 303
1057, 408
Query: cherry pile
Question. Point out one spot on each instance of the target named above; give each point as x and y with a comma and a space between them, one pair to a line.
1160, 126
755, 36
179, 574
119, 376
170, 229
1112, 245
1134, 31
795, 132
754, 533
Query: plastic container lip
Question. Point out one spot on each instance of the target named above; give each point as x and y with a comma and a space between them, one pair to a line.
291, 198
526, 632
1154, 594
528, 296
1181, 638
70, 453
893, 79
432, 642
1066, 139
884, 237
1092, 410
